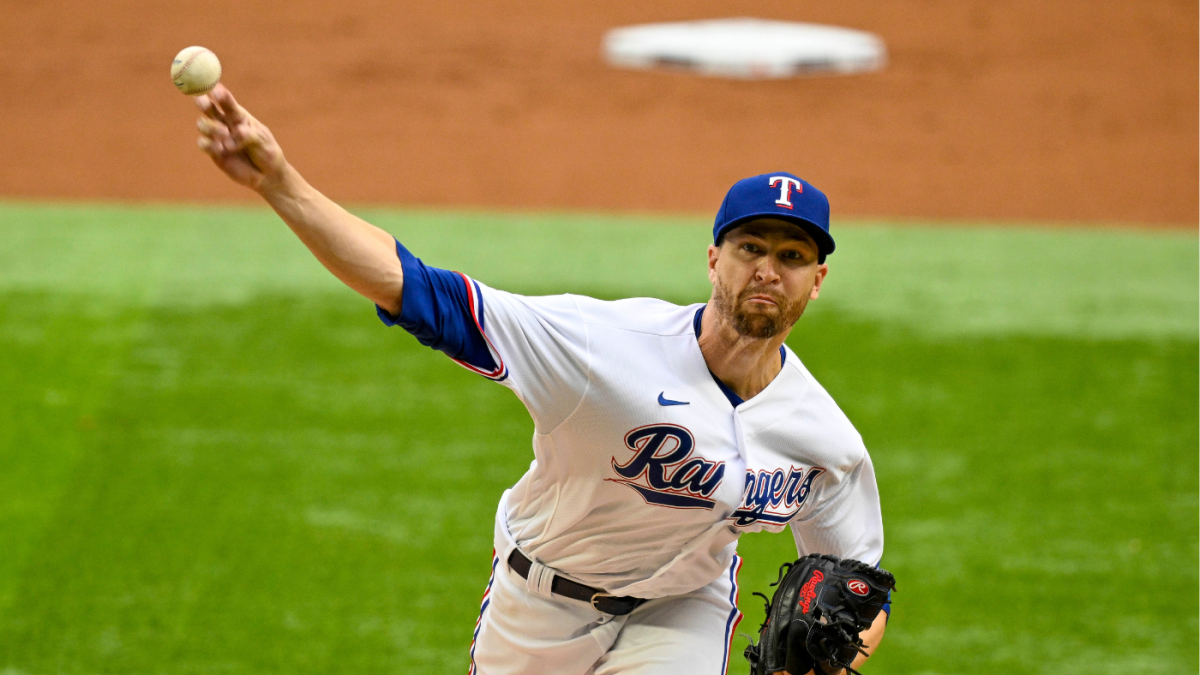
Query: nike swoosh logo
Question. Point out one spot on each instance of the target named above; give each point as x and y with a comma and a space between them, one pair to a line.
667, 401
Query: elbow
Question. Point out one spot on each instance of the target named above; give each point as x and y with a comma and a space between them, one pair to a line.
391, 300
388, 293
391, 307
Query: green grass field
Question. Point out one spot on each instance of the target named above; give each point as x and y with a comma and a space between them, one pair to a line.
213, 459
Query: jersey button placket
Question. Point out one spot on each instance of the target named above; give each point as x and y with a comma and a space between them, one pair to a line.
740, 443
739, 438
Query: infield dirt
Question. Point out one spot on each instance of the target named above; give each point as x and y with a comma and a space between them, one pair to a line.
1003, 109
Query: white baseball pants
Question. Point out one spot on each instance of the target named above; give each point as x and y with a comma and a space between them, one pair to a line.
520, 632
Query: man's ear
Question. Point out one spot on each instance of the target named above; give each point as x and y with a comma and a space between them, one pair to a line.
714, 252
822, 270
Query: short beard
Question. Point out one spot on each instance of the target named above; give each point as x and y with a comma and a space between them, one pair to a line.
756, 325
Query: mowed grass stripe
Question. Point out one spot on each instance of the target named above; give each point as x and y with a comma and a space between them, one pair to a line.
972, 279
58, 370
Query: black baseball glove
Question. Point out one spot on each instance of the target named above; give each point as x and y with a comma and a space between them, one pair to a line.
820, 606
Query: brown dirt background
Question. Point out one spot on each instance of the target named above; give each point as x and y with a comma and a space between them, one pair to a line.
1082, 110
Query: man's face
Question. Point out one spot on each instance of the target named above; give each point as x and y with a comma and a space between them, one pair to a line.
763, 275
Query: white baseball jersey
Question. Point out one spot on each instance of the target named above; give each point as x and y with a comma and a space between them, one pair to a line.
645, 471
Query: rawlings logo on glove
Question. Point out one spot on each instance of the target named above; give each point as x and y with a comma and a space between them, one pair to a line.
858, 587
808, 591
821, 605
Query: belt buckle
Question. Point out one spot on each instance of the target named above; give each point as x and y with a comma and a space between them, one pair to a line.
597, 597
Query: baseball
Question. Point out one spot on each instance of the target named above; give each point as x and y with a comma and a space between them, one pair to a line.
195, 71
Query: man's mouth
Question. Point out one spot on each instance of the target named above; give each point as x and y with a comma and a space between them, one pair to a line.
762, 299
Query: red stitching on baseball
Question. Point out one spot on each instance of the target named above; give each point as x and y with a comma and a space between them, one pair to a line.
187, 63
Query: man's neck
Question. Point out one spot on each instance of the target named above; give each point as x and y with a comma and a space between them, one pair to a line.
746, 365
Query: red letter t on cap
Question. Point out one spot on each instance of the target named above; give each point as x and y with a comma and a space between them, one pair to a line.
785, 190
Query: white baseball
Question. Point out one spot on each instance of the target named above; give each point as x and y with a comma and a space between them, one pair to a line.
195, 71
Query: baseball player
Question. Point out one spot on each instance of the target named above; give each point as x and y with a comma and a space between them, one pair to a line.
662, 433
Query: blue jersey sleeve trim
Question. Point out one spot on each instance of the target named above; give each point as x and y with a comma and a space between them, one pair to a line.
444, 311
385, 316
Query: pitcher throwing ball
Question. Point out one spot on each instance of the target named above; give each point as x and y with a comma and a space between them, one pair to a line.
662, 433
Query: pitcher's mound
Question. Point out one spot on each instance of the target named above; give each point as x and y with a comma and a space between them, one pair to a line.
745, 48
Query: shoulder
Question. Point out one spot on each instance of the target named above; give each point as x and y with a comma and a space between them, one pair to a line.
838, 434
562, 307
647, 316
638, 315
804, 380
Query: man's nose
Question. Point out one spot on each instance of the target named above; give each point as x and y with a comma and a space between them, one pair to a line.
766, 272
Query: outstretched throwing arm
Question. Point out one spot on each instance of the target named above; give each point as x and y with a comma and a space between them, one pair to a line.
361, 255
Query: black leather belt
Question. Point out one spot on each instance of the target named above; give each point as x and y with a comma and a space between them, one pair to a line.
598, 599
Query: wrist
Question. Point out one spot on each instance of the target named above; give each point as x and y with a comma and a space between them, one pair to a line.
286, 185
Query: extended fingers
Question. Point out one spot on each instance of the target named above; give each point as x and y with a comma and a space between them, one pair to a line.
208, 107
216, 134
248, 133
208, 146
232, 113
220, 105
217, 144
210, 127
218, 139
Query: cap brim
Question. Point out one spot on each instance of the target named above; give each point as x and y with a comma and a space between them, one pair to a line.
824, 241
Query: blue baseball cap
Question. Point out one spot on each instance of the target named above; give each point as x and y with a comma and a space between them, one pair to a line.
777, 195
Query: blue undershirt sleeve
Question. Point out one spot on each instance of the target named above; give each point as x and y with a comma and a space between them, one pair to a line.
439, 309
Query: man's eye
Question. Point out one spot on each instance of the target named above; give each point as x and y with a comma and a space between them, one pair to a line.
750, 247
